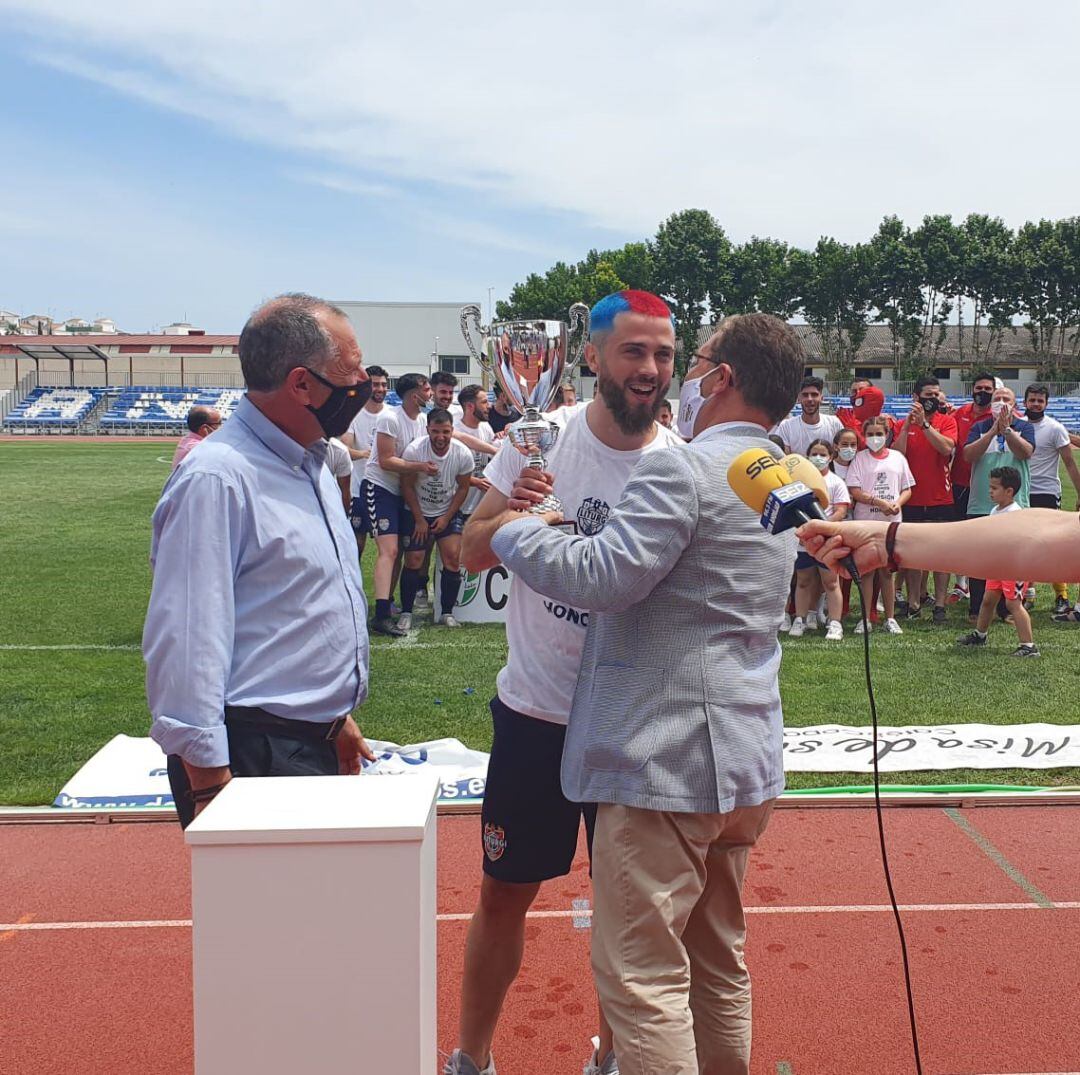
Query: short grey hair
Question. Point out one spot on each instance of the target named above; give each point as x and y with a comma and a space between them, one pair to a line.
282, 334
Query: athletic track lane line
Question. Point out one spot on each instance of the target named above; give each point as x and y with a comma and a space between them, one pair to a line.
996, 857
578, 913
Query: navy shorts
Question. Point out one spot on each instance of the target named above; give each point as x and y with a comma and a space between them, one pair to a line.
930, 513
529, 829
455, 526
805, 560
384, 512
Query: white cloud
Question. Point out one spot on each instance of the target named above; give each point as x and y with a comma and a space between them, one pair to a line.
786, 119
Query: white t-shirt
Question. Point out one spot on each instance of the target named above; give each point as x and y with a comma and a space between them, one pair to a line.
338, 460
798, 436
436, 491
837, 490
362, 429
841, 469
404, 430
1050, 437
999, 509
545, 637
884, 478
483, 432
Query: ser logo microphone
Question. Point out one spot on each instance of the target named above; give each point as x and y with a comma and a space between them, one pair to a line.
758, 464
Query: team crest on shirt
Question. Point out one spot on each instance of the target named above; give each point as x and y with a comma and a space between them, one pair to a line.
592, 515
494, 842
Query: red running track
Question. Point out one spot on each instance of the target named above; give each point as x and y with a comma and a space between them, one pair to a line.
994, 942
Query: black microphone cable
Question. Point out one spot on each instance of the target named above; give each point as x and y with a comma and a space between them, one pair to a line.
880, 818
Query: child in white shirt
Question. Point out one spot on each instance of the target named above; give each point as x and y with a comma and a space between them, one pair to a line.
807, 569
880, 483
1004, 485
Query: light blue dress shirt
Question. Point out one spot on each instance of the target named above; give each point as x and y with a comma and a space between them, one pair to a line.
257, 598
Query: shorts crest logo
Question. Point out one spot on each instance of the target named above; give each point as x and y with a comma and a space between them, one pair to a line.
494, 841
592, 515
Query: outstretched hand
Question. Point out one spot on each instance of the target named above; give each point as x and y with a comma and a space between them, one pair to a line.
832, 542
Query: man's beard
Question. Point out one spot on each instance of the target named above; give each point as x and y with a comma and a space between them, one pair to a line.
631, 419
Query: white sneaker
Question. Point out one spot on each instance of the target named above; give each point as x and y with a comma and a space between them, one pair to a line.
892, 627
610, 1066
798, 627
859, 628
822, 608
404, 621
462, 1064
785, 623
835, 632
421, 603
449, 621
812, 620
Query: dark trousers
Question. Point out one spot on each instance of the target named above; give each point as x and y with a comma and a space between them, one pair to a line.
258, 752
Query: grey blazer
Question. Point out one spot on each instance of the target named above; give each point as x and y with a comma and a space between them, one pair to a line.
677, 705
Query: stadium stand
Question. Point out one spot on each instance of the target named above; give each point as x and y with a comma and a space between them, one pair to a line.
54, 410
153, 409
145, 409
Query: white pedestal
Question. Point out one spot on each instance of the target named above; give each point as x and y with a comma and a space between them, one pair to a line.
313, 907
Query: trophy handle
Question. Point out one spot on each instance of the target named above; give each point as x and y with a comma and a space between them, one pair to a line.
580, 317
470, 317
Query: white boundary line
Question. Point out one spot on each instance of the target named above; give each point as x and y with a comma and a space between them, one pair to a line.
858, 908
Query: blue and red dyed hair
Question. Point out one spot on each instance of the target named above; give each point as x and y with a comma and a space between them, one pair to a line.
603, 314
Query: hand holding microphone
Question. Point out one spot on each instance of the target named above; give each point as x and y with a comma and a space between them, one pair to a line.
786, 492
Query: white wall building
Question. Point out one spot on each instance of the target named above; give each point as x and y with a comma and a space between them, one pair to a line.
413, 337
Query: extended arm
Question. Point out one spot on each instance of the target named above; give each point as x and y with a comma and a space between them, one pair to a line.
1036, 544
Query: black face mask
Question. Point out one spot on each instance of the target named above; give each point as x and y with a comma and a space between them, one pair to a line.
342, 405
930, 405
982, 398
1034, 414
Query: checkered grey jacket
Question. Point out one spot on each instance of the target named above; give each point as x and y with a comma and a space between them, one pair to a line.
677, 705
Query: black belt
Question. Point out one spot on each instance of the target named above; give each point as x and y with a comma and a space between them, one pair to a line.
255, 717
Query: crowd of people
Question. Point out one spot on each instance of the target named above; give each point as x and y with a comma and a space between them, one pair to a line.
936, 464
661, 733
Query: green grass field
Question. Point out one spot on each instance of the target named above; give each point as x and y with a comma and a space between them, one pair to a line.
74, 538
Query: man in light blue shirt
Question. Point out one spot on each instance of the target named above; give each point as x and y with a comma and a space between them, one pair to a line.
255, 639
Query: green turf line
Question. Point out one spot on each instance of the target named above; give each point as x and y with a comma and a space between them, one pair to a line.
925, 789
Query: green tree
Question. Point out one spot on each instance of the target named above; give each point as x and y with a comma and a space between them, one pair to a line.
1049, 291
689, 253
896, 273
762, 278
989, 282
834, 282
940, 246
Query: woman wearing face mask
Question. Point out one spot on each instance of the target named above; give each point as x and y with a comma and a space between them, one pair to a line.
880, 483
807, 568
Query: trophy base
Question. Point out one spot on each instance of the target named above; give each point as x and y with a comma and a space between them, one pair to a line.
549, 503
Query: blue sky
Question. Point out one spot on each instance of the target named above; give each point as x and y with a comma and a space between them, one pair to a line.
168, 160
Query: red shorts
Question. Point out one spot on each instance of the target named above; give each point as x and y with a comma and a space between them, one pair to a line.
1010, 590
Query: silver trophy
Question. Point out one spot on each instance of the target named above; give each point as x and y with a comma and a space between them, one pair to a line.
530, 360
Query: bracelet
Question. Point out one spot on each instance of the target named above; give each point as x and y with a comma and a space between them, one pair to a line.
893, 563
202, 795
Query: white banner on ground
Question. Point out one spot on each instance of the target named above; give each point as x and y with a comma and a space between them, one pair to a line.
838, 748
130, 772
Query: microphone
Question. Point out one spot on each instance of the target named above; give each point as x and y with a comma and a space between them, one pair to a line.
771, 488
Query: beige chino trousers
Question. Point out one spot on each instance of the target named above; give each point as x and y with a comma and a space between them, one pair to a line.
668, 937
